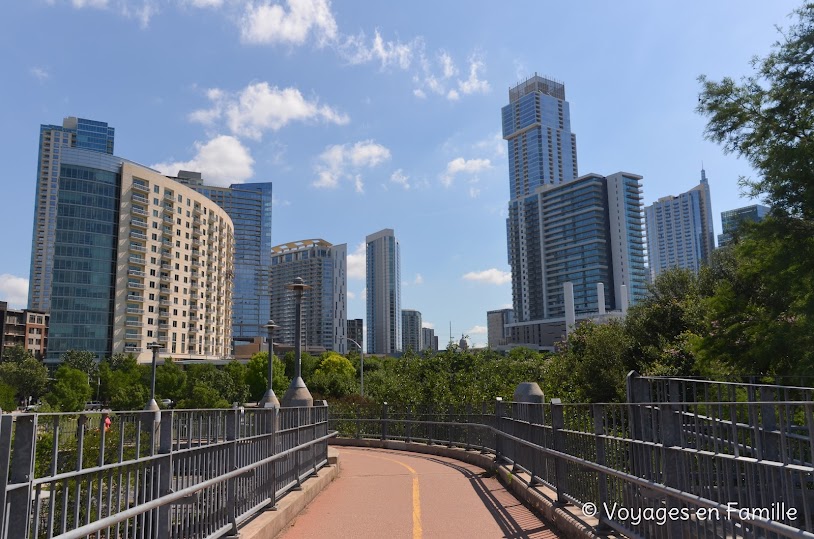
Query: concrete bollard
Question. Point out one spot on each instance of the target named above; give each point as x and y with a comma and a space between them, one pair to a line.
528, 392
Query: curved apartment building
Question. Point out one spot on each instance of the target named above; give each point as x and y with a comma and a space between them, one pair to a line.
174, 270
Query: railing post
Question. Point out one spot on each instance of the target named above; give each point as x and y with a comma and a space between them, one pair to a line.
165, 473
535, 420
670, 458
231, 460
561, 470
499, 413
768, 424
297, 453
483, 449
450, 417
22, 471
383, 429
357, 421
598, 411
468, 445
6, 427
409, 425
275, 423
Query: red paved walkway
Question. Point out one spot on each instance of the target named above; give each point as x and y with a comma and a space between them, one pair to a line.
396, 494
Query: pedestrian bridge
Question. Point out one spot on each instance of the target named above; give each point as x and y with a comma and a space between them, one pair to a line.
681, 458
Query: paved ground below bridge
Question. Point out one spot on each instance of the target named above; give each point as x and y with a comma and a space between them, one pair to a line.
397, 494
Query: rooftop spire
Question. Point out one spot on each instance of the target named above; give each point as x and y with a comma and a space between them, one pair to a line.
703, 173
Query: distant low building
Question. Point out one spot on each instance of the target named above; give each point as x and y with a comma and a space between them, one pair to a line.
411, 330
496, 322
428, 340
355, 332
23, 327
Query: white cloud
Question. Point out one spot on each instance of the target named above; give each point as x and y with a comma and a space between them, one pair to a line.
474, 85
490, 276
419, 93
400, 178
351, 295
461, 165
448, 65
143, 14
268, 23
494, 144
338, 161
99, 4
453, 95
14, 290
364, 298
425, 324
474, 192
279, 202
39, 73
355, 50
476, 330
222, 160
419, 279
206, 3
260, 107
357, 262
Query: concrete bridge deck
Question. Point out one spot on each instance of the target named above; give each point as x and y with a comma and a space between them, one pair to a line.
397, 494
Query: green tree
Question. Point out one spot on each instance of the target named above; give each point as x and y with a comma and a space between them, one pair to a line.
82, 360
170, 380
309, 365
16, 354
257, 376
334, 377
28, 377
203, 396
8, 397
70, 391
761, 321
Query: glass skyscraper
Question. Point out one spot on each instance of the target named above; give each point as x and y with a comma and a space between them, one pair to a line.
383, 293
731, 219
54, 139
250, 206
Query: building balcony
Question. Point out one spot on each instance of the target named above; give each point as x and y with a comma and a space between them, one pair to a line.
135, 273
166, 231
196, 210
137, 260
165, 303
136, 285
131, 310
165, 279
141, 199
166, 254
163, 325
193, 329
133, 324
166, 266
134, 297
138, 223
134, 349
163, 314
143, 187
139, 211
133, 336
162, 338
169, 197
138, 248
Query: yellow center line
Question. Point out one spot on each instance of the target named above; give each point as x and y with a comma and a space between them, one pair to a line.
416, 497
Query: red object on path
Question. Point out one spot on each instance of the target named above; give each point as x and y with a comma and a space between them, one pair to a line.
108, 421
398, 494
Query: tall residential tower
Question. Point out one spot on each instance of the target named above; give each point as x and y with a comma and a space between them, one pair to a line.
383, 293
323, 267
679, 230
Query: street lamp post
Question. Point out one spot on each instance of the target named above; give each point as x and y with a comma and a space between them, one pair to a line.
152, 405
362, 368
297, 394
270, 400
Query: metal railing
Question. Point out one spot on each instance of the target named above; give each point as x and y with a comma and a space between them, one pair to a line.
171, 474
651, 469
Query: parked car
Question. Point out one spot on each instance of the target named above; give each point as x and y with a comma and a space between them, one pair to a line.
93, 405
167, 403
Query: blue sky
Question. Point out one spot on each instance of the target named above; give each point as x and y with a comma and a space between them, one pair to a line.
371, 115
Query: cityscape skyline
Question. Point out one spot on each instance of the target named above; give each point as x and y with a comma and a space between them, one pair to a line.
417, 110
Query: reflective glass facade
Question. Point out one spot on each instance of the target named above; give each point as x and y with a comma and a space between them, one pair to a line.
731, 219
84, 262
383, 293
250, 206
54, 139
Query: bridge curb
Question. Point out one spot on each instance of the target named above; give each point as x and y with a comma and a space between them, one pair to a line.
568, 519
269, 524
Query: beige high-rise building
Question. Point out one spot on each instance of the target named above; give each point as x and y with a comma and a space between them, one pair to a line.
174, 270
